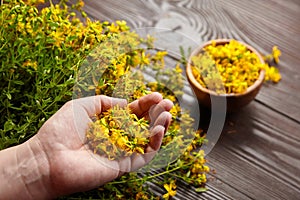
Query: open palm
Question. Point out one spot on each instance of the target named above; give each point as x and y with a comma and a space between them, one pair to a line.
72, 165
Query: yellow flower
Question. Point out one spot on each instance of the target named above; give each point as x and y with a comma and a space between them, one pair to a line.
213, 43
178, 69
35, 2
20, 27
159, 56
29, 28
139, 150
197, 168
141, 196
189, 148
273, 74
144, 59
206, 168
57, 37
122, 142
122, 25
276, 54
113, 28
202, 178
171, 190
31, 64
81, 4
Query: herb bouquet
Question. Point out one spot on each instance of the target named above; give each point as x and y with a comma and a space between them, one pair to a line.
49, 56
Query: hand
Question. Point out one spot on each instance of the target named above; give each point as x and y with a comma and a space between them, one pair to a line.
66, 164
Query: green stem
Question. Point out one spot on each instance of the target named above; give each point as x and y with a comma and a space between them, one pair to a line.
151, 177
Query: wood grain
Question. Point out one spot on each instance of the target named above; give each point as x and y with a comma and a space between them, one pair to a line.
258, 154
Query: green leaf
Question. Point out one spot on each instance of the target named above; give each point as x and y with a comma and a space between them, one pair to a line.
188, 174
8, 125
8, 96
202, 189
18, 82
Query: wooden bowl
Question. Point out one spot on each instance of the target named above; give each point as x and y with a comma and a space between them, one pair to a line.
232, 101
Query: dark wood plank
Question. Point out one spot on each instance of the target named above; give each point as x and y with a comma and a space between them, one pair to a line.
259, 155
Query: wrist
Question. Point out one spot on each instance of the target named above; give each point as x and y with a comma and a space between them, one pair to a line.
34, 167
25, 172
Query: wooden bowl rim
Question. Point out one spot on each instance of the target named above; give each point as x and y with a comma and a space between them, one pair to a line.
193, 81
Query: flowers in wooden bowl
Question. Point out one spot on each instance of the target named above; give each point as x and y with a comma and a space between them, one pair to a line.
228, 73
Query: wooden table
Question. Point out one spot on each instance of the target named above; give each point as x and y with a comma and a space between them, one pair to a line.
258, 153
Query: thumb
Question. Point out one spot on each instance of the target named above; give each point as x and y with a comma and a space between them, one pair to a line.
97, 104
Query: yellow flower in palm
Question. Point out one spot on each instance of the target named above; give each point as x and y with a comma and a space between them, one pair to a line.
122, 142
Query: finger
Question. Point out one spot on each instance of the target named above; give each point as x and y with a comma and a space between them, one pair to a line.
156, 110
141, 106
164, 120
97, 104
158, 130
156, 139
